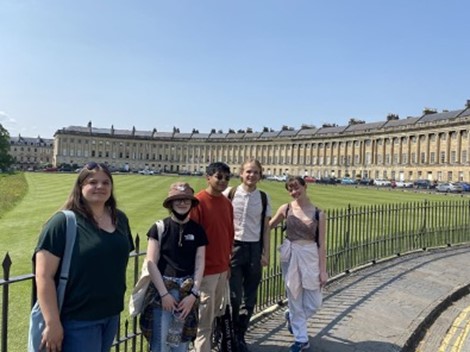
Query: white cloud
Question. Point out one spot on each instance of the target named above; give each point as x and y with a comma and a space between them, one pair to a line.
4, 117
8, 123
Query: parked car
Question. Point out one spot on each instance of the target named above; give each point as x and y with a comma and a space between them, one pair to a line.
50, 169
309, 179
425, 184
348, 181
328, 180
381, 182
449, 187
146, 172
281, 178
465, 186
404, 184
366, 181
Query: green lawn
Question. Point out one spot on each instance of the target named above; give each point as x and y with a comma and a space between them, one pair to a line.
34, 197
141, 198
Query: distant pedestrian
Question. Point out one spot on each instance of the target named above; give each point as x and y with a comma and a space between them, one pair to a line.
303, 259
215, 213
94, 296
252, 211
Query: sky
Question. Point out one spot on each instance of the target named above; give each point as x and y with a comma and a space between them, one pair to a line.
201, 64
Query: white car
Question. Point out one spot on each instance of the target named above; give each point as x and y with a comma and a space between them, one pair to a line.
281, 178
381, 182
146, 172
449, 187
404, 184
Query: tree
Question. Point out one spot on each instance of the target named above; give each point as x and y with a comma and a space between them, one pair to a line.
5, 158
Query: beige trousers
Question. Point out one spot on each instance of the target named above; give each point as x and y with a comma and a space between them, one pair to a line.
213, 290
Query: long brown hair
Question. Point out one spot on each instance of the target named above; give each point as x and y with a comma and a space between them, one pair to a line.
79, 205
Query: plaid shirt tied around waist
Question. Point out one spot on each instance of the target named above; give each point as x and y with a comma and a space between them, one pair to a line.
153, 300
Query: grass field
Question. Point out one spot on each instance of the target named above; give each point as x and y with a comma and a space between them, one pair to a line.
141, 198
28, 200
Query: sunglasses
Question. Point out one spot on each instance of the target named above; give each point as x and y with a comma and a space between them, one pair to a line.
184, 201
222, 177
94, 165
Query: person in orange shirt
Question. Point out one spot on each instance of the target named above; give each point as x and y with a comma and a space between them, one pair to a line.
215, 213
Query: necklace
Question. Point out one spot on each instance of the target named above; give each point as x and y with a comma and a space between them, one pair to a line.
180, 238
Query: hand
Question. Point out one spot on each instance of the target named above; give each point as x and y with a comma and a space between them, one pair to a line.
169, 303
264, 259
52, 337
323, 278
185, 305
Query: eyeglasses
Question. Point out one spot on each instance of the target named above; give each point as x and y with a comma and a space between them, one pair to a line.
222, 177
184, 201
93, 165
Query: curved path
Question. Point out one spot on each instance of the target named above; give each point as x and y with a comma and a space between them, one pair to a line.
386, 307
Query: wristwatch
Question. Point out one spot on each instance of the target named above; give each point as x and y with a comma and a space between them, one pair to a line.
195, 292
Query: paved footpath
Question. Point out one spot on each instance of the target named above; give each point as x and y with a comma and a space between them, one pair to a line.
386, 307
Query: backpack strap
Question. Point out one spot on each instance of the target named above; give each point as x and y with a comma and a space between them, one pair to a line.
71, 234
231, 193
317, 231
160, 229
264, 202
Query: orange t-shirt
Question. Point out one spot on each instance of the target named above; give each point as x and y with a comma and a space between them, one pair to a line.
215, 214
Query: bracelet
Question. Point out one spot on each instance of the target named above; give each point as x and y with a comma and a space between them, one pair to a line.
195, 292
165, 294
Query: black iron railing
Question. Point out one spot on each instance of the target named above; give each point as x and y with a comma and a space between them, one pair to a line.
356, 236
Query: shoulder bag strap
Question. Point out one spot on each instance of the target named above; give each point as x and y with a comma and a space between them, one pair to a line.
71, 234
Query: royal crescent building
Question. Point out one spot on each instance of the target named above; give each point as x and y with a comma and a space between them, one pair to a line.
433, 146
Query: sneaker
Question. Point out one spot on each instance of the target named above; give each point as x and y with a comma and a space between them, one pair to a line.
287, 316
299, 346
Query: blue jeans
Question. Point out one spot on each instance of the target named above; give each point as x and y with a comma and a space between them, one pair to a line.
89, 335
161, 323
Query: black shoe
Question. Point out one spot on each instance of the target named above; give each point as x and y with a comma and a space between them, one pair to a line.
242, 346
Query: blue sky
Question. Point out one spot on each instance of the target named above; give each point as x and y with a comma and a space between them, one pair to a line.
227, 64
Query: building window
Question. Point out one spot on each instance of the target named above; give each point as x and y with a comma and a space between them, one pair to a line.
433, 158
453, 156
443, 157
404, 158
464, 156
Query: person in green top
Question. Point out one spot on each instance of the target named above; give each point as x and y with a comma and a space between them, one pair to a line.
94, 296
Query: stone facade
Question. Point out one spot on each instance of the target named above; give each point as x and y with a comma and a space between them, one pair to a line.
31, 153
433, 146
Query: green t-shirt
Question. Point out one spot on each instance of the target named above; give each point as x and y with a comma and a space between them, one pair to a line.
97, 277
